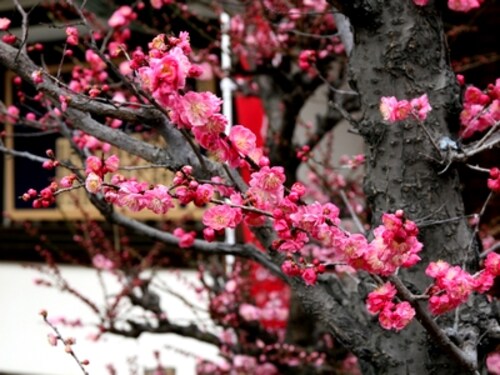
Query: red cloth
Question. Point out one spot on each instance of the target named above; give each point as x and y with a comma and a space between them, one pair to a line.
266, 289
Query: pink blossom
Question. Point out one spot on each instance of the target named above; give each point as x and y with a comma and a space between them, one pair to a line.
395, 245
9, 38
492, 263
125, 68
100, 262
242, 139
379, 298
67, 181
266, 369
13, 113
122, 17
93, 164
208, 135
158, 199
186, 239
290, 268
72, 36
268, 179
317, 219
52, 339
452, 287
306, 59
169, 72
244, 363
37, 76
94, 60
494, 180
48, 164
156, 4
493, 363
484, 281
354, 249
222, 216
131, 195
93, 182
194, 109
4, 23
464, 5
64, 102
309, 276
208, 234
316, 5
421, 107
111, 164
473, 95
266, 186
184, 195
203, 194
393, 110
421, 3
396, 316
249, 312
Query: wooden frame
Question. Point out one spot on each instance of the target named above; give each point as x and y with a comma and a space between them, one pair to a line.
66, 210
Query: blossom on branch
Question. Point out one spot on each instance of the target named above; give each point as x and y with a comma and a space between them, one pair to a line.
392, 315
394, 110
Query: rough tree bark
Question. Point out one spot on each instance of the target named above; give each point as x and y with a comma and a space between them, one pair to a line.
400, 50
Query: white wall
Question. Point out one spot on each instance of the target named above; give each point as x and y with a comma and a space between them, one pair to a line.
345, 143
23, 334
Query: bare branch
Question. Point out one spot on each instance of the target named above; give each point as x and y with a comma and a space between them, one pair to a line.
67, 342
246, 251
432, 327
479, 146
24, 25
24, 67
22, 154
164, 326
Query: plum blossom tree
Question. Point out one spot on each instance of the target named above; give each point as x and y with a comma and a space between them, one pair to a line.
410, 295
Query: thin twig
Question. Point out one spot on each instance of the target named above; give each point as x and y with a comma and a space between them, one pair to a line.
25, 27
476, 168
68, 347
488, 134
432, 327
479, 215
426, 131
492, 249
353, 214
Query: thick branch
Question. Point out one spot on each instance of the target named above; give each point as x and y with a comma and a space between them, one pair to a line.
246, 251
24, 67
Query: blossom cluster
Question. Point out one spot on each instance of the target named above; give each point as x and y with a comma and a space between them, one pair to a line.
456, 5
264, 30
464, 5
453, 285
392, 315
164, 72
394, 110
481, 110
494, 180
395, 245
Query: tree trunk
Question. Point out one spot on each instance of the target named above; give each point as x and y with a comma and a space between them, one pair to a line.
400, 51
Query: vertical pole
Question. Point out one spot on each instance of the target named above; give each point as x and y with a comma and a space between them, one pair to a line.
226, 87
